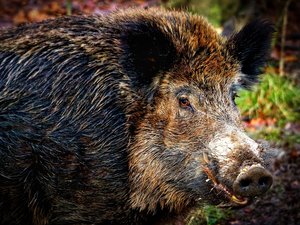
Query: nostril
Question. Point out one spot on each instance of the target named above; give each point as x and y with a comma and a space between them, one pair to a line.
264, 181
245, 183
255, 181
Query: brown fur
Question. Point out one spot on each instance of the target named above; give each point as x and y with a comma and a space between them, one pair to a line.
109, 119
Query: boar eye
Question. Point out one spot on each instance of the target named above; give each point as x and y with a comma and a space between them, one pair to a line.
184, 102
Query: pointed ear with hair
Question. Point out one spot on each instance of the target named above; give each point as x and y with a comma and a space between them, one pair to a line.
251, 46
148, 51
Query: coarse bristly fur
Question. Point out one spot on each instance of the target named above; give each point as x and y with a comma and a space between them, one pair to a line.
111, 119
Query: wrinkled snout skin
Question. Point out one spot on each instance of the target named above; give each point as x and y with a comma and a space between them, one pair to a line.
239, 162
126, 118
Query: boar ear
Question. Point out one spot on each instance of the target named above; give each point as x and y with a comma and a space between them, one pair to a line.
147, 51
251, 47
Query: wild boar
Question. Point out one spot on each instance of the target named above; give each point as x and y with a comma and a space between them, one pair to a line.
127, 118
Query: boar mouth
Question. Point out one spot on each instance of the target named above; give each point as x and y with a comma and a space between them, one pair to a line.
238, 200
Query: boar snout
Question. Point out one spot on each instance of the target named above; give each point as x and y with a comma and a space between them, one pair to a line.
252, 181
240, 170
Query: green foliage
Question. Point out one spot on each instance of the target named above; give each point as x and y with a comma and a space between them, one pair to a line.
214, 214
69, 7
211, 9
277, 135
197, 218
209, 215
270, 133
275, 97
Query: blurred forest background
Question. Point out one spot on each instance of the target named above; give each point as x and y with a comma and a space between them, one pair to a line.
271, 111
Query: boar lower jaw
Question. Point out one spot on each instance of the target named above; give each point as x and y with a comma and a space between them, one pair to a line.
220, 187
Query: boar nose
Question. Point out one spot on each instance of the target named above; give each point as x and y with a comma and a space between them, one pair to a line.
255, 181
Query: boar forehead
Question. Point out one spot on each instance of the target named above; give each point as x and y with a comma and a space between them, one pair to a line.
203, 53
214, 69
208, 72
